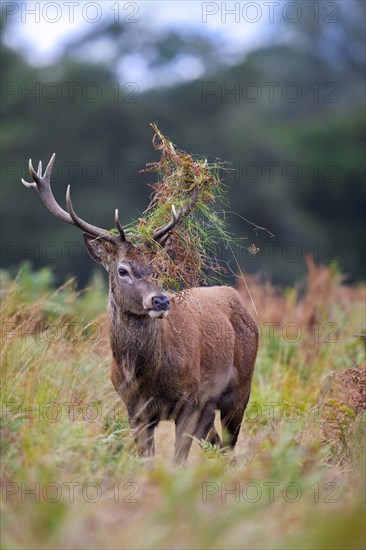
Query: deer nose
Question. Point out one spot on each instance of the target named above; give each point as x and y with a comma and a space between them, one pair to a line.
161, 302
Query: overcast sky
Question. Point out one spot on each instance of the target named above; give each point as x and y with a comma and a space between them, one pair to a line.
43, 28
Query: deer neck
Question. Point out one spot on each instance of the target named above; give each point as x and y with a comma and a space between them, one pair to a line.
136, 342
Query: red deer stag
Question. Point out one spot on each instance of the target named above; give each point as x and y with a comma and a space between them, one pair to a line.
179, 360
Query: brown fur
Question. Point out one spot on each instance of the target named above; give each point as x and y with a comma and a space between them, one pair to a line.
183, 366
198, 359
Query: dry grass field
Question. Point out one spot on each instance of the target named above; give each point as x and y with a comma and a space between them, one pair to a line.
70, 477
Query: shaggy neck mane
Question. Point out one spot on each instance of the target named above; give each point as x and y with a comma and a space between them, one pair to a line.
136, 341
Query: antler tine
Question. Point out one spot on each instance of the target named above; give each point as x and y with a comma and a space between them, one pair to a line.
160, 235
35, 175
42, 184
81, 224
49, 166
119, 226
30, 185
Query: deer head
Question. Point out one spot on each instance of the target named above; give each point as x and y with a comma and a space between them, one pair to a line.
133, 285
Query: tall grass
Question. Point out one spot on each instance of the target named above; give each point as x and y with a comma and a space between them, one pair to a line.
297, 480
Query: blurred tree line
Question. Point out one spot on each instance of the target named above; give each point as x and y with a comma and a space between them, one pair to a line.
288, 117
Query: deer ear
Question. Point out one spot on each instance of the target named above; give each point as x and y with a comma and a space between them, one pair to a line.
98, 249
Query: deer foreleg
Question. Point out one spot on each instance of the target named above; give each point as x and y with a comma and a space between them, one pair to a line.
143, 431
185, 428
206, 425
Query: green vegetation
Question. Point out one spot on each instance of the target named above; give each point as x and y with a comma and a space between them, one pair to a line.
185, 186
70, 477
297, 166
297, 481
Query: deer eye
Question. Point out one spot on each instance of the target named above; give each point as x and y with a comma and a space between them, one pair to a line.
122, 272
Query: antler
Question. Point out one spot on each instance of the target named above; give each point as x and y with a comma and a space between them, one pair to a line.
160, 235
42, 184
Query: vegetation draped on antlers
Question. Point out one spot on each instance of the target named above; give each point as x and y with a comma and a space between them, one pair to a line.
194, 184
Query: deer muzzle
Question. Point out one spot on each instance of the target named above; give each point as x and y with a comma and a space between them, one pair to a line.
157, 305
